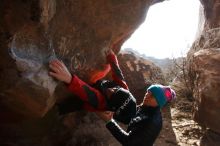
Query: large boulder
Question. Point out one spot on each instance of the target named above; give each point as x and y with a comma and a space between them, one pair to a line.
205, 63
139, 73
32, 32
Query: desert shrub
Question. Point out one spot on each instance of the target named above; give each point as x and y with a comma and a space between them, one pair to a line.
181, 77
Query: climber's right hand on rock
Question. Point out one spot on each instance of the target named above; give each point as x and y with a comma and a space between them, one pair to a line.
59, 71
109, 52
109, 55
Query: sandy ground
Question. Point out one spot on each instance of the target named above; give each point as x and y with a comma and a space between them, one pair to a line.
179, 129
187, 131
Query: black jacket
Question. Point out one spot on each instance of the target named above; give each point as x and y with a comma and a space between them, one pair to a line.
121, 102
142, 130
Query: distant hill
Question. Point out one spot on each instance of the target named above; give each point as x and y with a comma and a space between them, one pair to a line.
164, 64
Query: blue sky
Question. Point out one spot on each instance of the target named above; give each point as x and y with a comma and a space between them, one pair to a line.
168, 31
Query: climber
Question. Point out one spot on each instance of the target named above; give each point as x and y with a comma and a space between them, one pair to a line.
103, 95
145, 126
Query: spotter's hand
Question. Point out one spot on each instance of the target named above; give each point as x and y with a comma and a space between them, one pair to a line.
106, 115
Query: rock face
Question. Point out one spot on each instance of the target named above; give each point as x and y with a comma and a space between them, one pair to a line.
205, 61
32, 32
78, 32
139, 73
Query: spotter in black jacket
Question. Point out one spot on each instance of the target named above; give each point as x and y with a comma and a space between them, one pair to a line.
142, 130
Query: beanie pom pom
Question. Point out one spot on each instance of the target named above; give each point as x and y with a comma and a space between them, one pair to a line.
169, 94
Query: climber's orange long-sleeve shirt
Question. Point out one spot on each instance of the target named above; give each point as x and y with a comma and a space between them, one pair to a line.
93, 99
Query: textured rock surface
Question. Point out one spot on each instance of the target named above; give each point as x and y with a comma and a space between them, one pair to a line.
205, 57
78, 32
34, 31
139, 73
